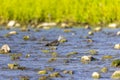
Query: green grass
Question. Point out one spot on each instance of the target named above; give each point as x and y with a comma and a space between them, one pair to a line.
79, 11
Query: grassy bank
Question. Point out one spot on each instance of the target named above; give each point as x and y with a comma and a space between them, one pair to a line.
82, 11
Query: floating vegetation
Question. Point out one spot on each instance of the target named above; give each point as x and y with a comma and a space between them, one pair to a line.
7, 35
26, 38
71, 53
15, 56
66, 61
90, 40
15, 66
54, 54
115, 63
52, 59
24, 78
44, 78
93, 52
55, 74
68, 72
67, 30
49, 69
104, 69
42, 72
107, 57
45, 51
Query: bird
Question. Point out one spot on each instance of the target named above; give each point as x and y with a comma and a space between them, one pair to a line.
55, 42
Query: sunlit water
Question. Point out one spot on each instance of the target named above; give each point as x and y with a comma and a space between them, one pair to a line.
104, 42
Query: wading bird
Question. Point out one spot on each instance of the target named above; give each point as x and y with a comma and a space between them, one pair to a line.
55, 42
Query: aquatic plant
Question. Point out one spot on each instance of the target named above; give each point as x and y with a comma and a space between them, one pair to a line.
71, 53
67, 30
54, 54
66, 61
42, 72
104, 69
55, 74
45, 51
115, 63
15, 56
90, 40
44, 78
26, 37
105, 57
52, 59
68, 72
24, 78
93, 52
49, 68
13, 66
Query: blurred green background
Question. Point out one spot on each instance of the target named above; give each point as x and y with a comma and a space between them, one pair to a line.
78, 11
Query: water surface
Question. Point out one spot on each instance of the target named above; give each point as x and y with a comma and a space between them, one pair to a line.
104, 42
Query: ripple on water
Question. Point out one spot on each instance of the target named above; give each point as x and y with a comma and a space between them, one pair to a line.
103, 42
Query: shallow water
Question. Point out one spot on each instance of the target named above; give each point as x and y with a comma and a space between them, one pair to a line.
104, 42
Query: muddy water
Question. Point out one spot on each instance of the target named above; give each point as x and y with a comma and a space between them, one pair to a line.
104, 42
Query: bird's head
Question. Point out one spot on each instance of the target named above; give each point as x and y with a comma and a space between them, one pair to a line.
60, 38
